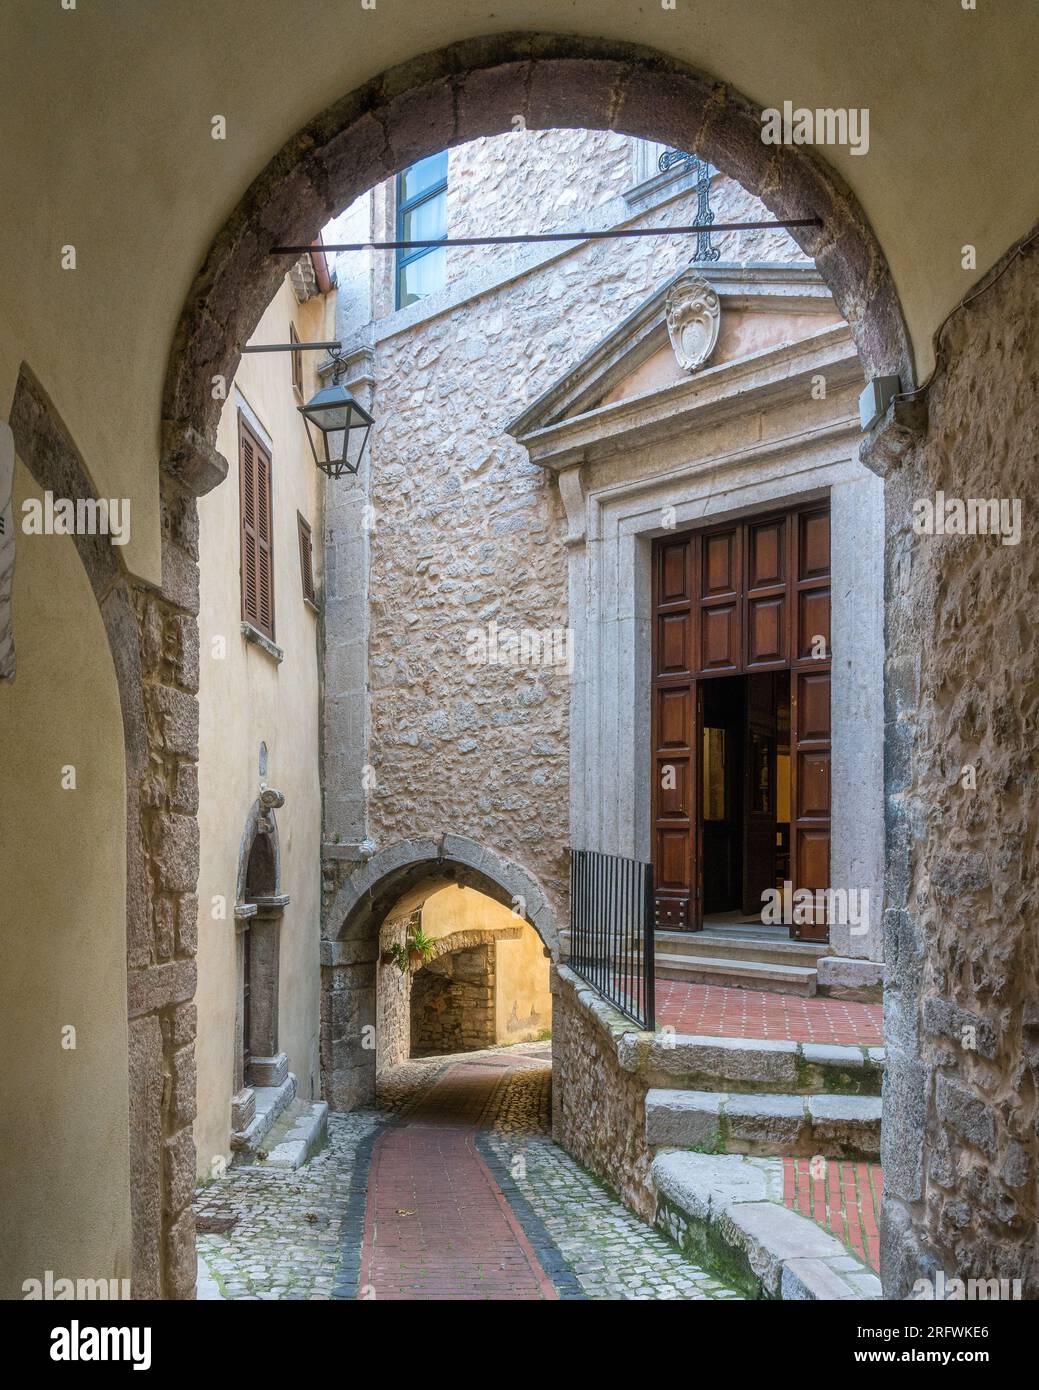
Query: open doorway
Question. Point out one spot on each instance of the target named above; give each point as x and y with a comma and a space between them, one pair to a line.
741, 725
745, 806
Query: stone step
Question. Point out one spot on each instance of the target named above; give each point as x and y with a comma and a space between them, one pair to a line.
726, 1212
778, 951
795, 1126
737, 974
271, 1102
301, 1131
753, 1066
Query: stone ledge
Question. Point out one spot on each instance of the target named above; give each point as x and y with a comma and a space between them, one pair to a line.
726, 1213
846, 1127
270, 1101
254, 635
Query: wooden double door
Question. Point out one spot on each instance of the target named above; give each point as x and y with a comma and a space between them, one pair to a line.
741, 716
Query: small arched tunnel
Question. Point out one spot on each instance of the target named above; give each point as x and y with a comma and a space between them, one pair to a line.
482, 935
478, 978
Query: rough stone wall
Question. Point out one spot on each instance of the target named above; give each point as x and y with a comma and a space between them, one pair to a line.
598, 1108
452, 1003
153, 636
469, 531
393, 995
962, 1006
536, 180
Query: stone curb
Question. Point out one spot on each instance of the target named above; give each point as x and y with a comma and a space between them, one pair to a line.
307, 1134
726, 1212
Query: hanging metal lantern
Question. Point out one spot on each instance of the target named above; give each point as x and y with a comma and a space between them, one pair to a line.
338, 427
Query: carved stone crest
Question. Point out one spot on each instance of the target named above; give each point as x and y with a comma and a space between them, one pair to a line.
693, 314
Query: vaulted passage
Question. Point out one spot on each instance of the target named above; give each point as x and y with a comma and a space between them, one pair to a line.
642, 565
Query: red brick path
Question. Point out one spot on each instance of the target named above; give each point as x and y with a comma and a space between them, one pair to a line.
844, 1198
437, 1225
719, 1012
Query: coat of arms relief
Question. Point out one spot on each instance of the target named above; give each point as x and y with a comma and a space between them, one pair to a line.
693, 314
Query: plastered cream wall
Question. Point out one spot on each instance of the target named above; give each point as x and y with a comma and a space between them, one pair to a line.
523, 1004
125, 95
247, 698
62, 930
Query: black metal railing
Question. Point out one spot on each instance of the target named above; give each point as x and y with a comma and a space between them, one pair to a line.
611, 930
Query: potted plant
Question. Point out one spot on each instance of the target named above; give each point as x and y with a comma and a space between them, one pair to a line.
420, 948
410, 954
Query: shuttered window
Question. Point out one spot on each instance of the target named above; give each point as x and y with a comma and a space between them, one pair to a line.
306, 559
257, 530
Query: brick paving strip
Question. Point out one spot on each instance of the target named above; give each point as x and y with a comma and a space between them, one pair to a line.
475, 1129
437, 1223
719, 1011
843, 1199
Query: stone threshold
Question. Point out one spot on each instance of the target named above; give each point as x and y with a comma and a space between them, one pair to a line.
726, 1212
270, 1102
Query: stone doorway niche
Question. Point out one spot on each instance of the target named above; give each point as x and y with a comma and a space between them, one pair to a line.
259, 910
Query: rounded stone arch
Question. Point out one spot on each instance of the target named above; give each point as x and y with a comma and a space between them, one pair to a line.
477, 88
399, 879
405, 874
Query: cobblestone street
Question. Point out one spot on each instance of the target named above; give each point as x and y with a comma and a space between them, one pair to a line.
451, 1188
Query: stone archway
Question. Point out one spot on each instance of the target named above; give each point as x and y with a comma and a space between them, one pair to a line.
466, 90
153, 638
398, 880
481, 87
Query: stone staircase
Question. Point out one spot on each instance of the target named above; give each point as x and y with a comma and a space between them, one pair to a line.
721, 1115
705, 958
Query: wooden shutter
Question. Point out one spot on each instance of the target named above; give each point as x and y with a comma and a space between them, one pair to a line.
306, 558
257, 531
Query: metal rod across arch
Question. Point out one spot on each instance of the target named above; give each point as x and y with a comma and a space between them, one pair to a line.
519, 238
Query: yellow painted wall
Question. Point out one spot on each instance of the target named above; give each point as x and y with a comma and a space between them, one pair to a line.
62, 930
245, 699
108, 141
523, 1003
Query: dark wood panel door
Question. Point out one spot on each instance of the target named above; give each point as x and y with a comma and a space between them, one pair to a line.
673, 736
810, 712
742, 598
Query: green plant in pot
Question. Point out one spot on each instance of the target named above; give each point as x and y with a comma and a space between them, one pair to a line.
415, 951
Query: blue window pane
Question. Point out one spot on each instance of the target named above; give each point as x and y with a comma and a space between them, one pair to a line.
421, 277
427, 221
426, 174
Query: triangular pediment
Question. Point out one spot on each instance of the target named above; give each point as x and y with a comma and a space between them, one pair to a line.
762, 306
